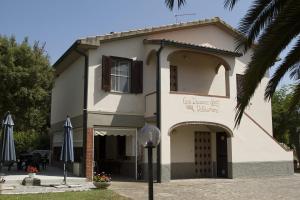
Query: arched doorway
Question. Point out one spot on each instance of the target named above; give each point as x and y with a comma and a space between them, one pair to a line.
200, 150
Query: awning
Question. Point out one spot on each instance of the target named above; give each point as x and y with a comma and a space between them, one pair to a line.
111, 131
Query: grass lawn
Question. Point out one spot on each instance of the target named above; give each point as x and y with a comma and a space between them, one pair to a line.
92, 194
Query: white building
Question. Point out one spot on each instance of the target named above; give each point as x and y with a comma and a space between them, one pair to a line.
107, 85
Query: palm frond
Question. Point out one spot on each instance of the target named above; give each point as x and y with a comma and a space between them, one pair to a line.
259, 16
171, 3
295, 74
230, 4
273, 40
288, 64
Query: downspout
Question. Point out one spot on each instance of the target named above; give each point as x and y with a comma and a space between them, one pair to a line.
85, 93
158, 110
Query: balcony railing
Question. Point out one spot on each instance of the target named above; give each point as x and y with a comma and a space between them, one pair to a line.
197, 94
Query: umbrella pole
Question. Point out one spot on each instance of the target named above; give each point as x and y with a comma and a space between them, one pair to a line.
65, 174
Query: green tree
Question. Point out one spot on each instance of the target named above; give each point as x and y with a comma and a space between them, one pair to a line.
272, 25
26, 82
285, 121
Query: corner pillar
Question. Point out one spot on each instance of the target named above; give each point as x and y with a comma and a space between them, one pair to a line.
89, 154
165, 119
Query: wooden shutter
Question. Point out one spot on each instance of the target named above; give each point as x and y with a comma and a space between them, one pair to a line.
106, 70
239, 86
173, 78
137, 77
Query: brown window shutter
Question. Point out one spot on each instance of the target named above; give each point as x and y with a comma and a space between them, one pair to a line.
137, 77
106, 70
173, 78
239, 85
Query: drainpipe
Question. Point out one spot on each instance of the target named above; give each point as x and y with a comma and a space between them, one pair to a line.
158, 110
85, 93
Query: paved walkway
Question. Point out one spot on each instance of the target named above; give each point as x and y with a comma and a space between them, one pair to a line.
20, 189
272, 188
52, 175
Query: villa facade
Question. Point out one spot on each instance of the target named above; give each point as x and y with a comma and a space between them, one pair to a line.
108, 86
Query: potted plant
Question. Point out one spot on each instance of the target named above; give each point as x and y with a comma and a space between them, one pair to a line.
102, 180
31, 171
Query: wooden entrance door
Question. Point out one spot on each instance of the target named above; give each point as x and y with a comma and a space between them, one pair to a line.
203, 164
222, 159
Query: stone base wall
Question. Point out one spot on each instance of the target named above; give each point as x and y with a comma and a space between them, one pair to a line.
236, 170
187, 170
259, 169
165, 172
144, 171
183, 170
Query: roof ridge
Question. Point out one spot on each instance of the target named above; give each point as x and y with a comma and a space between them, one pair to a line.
158, 28
155, 27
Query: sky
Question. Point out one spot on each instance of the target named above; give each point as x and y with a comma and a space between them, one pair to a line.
58, 23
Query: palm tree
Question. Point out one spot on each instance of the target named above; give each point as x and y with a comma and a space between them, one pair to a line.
272, 25
170, 3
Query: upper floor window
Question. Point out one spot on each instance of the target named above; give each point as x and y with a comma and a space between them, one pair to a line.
122, 75
173, 78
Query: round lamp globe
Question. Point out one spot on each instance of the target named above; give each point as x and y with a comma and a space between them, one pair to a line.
149, 136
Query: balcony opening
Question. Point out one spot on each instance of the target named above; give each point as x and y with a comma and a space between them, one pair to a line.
198, 74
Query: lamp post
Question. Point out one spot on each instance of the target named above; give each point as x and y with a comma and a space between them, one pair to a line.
149, 137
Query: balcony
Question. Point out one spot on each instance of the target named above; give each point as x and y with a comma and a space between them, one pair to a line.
198, 74
198, 89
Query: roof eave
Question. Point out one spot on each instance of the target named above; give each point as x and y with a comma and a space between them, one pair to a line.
194, 47
71, 55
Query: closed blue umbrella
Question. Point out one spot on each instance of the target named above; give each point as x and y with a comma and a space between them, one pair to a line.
67, 151
8, 152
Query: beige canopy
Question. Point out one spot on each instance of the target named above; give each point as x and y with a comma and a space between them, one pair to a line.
112, 131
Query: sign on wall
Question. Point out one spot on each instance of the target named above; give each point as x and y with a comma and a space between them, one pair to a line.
195, 104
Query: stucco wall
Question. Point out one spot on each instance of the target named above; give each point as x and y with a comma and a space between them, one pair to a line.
98, 100
250, 143
67, 94
259, 109
149, 68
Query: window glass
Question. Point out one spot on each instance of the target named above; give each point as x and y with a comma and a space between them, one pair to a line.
120, 75
123, 84
123, 68
113, 83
